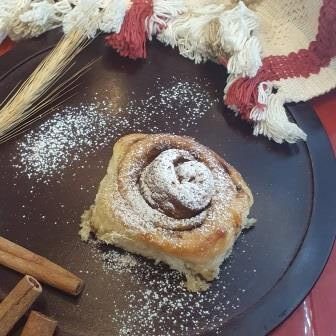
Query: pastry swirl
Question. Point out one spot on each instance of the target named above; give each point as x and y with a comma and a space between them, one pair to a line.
172, 199
177, 184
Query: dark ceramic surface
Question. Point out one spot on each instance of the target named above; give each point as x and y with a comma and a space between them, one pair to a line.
294, 200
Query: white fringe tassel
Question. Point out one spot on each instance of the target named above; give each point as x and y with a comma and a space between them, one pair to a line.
42, 13
163, 11
187, 32
234, 36
113, 15
9, 15
3, 35
30, 18
85, 16
94, 15
246, 61
236, 28
264, 91
275, 124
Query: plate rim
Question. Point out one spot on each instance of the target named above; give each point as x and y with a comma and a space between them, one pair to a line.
317, 244
258, 319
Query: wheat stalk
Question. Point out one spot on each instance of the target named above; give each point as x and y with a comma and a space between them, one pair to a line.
32, 96
64, 89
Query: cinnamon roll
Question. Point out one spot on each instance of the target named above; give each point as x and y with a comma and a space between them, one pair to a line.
171, 199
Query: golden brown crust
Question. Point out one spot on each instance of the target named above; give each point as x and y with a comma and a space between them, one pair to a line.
202, 244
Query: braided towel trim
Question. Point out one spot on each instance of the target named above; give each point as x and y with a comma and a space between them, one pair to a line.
255, 98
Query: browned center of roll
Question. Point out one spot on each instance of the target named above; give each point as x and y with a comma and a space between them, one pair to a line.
177, 184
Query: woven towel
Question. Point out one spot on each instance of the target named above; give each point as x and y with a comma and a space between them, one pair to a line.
298, 41
275, 51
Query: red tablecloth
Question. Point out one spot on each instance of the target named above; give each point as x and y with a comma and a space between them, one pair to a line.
316, 315
6, 46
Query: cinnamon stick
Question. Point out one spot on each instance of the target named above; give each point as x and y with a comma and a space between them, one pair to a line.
24, 261
17, 302
39, 325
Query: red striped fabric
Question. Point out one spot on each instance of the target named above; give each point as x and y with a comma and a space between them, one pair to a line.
243, 93
6, 46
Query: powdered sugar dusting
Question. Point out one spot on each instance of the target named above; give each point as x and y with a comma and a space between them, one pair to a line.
73, 133
65, 138
119, 262
176, 176
154, 301
162, 306
129, 204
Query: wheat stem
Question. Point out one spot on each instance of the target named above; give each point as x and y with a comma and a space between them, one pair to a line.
22, 105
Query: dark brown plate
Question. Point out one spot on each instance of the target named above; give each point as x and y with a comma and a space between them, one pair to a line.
273, 266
